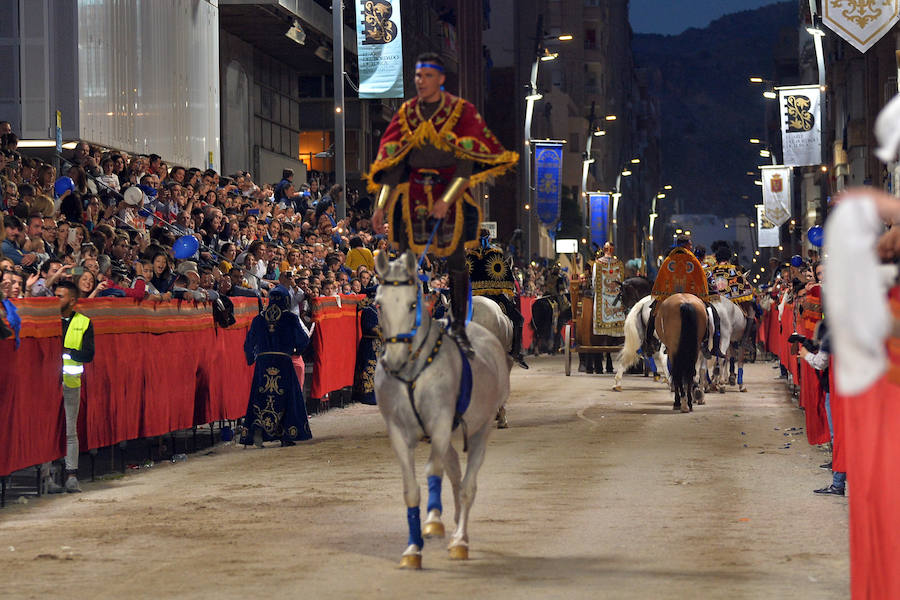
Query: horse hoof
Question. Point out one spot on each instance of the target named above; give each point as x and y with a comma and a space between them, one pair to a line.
435, 529
721, 389
656, 378
617, 388
459, 552
411, 561
743, 389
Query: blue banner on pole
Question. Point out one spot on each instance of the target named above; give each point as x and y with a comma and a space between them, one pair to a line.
599, 218
379, 49
548, 180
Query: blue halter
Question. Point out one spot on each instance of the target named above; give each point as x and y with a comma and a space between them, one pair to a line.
409, 335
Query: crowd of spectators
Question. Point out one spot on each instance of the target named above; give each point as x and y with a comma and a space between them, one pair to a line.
112, 225
110, 220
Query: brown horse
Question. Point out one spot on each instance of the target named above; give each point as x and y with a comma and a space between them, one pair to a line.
681, 327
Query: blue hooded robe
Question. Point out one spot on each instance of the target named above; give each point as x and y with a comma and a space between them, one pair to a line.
276, 405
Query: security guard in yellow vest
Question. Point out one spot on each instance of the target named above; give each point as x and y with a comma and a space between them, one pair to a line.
78, 348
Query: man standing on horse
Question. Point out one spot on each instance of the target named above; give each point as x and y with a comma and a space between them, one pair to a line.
436, 148
492, 277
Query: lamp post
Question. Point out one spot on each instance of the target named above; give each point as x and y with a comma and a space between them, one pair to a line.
541, 54
660, 195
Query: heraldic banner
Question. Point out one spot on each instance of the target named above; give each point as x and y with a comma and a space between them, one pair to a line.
609, 318
380, 49
861, 23
776, 185
547, 180
768, 232
599, 218
801, 125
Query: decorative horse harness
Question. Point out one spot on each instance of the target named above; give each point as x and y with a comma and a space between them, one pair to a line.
413, 357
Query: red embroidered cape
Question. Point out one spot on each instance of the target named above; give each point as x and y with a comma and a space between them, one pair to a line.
455, 127
681, 273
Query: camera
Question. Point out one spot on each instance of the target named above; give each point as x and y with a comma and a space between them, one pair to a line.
804, 341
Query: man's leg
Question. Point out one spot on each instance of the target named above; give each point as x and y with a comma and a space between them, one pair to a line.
518, 321
650, 331
459, 298
72, 402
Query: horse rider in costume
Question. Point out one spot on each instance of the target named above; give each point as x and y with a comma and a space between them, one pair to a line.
436, 148
680, 273
726, 280
491, 276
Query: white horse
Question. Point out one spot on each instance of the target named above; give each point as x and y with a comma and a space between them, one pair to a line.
417, 383
732, 326
635, 331
489, 315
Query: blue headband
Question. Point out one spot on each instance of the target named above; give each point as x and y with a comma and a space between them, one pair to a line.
424, 65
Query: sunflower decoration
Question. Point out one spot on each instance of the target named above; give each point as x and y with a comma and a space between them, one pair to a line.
469, 265
497, 268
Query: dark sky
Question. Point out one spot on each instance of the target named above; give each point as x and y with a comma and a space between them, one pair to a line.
674, 16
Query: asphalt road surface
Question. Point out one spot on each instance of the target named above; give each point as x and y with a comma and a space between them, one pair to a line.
589, 494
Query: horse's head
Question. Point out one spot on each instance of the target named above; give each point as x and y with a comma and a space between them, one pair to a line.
400, 306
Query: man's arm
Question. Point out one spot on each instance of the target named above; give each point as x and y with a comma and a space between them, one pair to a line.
86, 354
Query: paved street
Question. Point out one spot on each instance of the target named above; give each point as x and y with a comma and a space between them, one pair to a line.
589, 494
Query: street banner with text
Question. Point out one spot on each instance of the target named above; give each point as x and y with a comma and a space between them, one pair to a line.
380, 49
776, 186
599, 218
861, 24
548, 158
801, 125
767, 230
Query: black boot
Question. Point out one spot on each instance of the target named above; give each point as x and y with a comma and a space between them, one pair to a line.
516, 352
648, 335
459, 305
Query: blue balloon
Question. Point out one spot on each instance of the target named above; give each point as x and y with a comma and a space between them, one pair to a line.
63, 184
816, 235
185, 247
796, 260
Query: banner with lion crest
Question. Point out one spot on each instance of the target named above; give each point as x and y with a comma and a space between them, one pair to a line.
801, 125
380, 48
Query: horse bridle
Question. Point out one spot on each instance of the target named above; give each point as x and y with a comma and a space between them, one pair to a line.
409, 335
413, 356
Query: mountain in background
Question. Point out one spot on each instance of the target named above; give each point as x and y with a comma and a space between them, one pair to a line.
709, 111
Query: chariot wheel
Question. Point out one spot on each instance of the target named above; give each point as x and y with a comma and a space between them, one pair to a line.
567, 343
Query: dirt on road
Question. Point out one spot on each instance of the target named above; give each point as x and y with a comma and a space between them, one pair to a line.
589, 494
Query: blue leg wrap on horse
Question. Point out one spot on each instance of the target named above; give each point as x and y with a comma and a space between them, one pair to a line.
740, 375
415, 526
708, 380
652, 364
434, 493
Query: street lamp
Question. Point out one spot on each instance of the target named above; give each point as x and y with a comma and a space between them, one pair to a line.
541, 54
653, 215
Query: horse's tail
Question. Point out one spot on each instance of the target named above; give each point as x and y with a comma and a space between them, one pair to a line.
633, 338
684, 363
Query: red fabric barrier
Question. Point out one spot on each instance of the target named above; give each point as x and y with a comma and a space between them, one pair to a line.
31, 403
762, 332
526, 302
772, 337
139, 384
813, 399
335, 339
